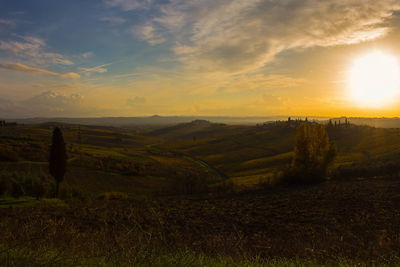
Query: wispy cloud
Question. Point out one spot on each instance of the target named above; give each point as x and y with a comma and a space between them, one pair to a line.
96, 69
93, 70
148, 33
32, 49
54, 103
257, 82
87, 55
238, 36
24, 68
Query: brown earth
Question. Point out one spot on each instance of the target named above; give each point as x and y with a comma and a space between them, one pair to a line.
358, 219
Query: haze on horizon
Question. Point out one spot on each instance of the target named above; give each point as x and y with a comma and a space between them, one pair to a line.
180, 57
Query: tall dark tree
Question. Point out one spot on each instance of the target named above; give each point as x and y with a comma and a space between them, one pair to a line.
58, 158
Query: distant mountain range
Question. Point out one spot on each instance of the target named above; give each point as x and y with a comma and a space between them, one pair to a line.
150, 120
173, 120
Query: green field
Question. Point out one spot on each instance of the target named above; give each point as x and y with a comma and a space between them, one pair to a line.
114, 159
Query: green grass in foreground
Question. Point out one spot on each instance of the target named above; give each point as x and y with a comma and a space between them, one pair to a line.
46, 257
6, 202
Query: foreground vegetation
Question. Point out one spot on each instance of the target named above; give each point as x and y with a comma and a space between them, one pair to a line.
23, 257
354, 220
200, 194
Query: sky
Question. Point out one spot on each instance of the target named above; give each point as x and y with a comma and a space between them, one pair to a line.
86, 58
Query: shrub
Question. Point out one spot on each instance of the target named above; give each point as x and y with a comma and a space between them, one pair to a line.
113, 196
17, 184
70, 192
8, 155
39, 189
190, 184
5, 185
16, 190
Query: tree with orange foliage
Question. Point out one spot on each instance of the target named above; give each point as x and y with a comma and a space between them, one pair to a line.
313, 153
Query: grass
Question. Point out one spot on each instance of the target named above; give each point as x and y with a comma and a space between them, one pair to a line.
355, 220
338, 223
98, 151
252, 180
7, 202
12, 256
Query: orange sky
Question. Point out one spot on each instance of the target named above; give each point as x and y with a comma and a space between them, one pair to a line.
222, 58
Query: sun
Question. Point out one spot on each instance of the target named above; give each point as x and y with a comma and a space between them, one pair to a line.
374, 79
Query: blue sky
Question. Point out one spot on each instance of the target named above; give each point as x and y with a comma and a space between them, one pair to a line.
176, 57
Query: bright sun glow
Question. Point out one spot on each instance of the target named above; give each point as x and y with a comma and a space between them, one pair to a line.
374, 79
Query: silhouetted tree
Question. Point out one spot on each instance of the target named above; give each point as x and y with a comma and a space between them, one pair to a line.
313, 153
58, 158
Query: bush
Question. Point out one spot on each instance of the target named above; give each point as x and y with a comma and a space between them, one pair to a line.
368, 169
39, 189
190, 184
16, 190
8, 155
17, 184
5, 185
70, 192
113, 196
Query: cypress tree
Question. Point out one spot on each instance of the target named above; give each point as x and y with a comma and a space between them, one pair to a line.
58, 158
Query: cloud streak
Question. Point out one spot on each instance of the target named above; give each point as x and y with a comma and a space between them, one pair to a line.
237, 36
54, 103
24, 68
32, 49
96, 69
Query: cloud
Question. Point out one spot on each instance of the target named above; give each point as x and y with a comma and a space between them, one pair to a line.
24, 68
97, 69
148, 33
64, 86
134, 101
237, 36
33, 49
128, 5
52, 103
48, 103
114, 20
93, 70
87, 54
258, 82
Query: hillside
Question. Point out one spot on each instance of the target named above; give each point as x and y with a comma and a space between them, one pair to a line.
110, 158
101, 159
127, 194
197, 129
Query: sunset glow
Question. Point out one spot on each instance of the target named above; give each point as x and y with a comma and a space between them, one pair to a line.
211, 58
374, 79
